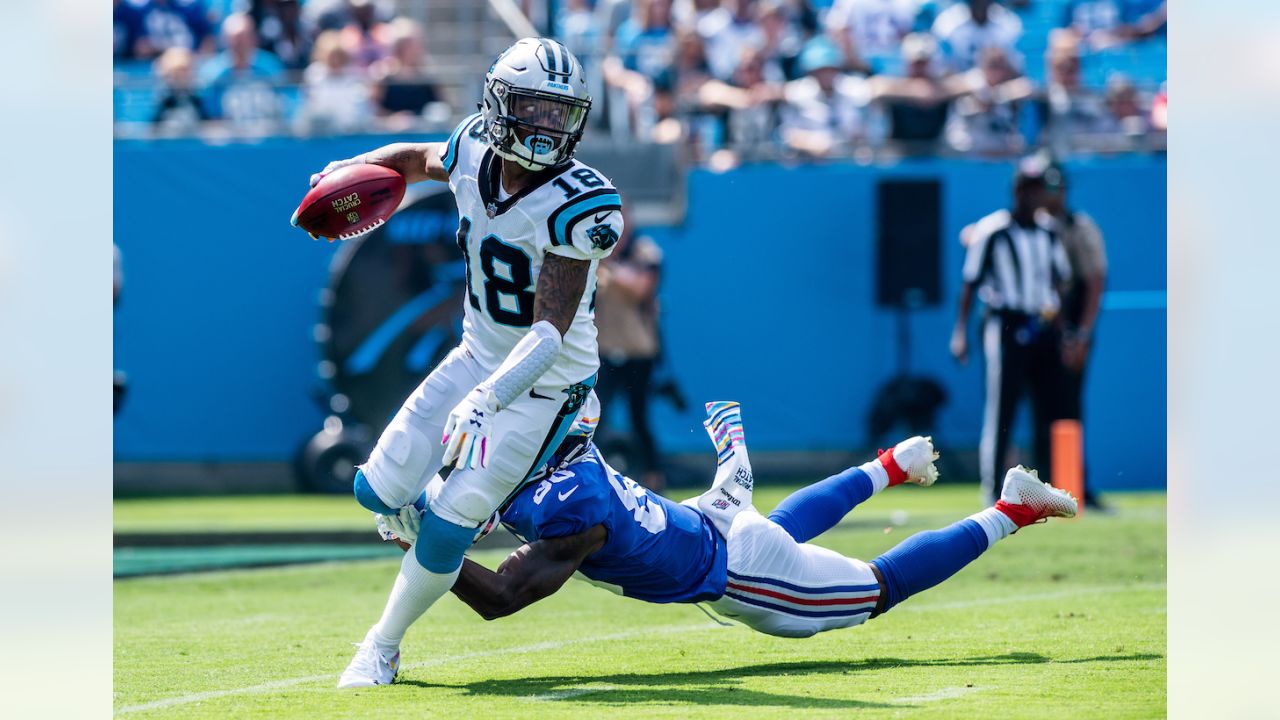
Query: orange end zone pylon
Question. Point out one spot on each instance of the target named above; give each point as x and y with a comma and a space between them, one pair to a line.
1067, 438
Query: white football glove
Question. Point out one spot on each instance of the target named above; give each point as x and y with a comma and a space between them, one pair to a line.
403, 525
466, 432
406, 524
317, 177
335, 165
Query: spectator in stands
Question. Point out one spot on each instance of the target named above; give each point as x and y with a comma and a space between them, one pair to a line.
668, 127
824, 112
966, 28
179, 110
1068, 109
627, 318
240, 81
691, 68
404, 89
689, 13
726, 33
365, 35
747, 108
646, 48
1125, 114
174, 23
869, 32
1106, 23
917, 105
1087, 17
337, 14
610, 16
126, 22
336, 94
646, 42
985, 120
281, 32
783, 39
690, 73
578, 27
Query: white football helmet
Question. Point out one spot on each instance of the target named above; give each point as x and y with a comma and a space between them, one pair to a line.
535, 103
576, 442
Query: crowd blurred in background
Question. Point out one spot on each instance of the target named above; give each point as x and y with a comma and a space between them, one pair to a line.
268, 67
731, 80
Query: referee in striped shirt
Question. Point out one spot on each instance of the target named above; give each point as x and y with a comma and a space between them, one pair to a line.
1016, 264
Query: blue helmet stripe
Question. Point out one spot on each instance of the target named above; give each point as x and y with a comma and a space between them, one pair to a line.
551, 56
566, 59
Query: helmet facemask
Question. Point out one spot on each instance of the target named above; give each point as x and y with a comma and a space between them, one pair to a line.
533, 128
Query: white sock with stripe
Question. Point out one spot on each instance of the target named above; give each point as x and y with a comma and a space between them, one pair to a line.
994, 523
878, 475
416, 589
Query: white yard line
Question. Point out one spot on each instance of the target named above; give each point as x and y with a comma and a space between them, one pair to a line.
332, 677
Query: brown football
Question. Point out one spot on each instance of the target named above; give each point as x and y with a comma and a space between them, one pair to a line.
351, 201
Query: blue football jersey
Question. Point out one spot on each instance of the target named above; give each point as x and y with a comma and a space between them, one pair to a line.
657, 550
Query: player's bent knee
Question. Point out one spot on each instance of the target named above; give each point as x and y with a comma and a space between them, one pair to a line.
516, 459
467, 503
402, 457
367, 498
441, 543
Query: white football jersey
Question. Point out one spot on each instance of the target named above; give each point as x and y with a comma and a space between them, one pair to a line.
570, 210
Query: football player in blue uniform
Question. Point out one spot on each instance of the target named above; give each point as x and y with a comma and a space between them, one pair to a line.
585, 517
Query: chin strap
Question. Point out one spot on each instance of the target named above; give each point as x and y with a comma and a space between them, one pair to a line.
532, 357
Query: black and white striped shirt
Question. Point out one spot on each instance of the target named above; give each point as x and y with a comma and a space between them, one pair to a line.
1016, 268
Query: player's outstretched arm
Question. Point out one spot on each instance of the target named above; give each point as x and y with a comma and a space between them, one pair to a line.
415, 161
532, 572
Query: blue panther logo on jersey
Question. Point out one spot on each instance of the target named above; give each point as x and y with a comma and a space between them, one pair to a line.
578, 393
602, 236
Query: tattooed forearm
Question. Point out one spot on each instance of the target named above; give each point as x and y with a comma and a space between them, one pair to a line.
415, 161
561, 283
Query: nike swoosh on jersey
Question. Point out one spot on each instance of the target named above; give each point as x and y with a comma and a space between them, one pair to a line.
600, 218
536, 396
564, 495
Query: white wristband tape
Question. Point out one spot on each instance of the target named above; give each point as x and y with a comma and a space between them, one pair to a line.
529, 360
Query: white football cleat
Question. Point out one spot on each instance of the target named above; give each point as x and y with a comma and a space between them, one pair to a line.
1026, 500
370, 667
915, 457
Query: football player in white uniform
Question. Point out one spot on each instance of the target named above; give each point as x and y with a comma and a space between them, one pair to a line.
534, 223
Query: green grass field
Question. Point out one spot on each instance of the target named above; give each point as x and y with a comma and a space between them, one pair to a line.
1065, 620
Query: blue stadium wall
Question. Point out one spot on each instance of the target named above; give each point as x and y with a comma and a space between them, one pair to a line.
768, 299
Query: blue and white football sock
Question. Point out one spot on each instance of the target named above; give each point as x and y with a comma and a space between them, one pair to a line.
927, 558
995, 524
813, 510
426, 573
416, 589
